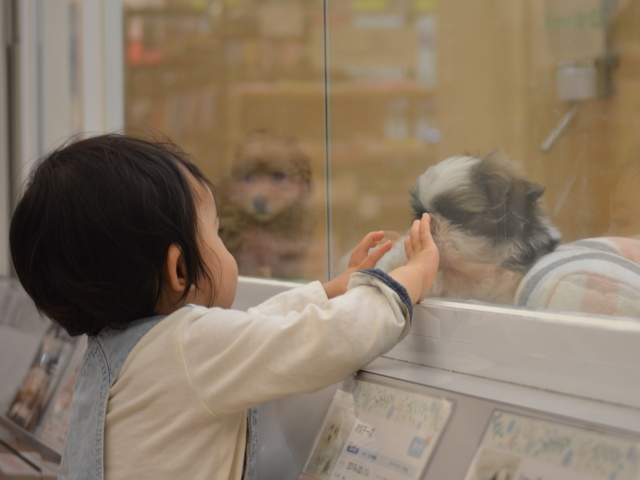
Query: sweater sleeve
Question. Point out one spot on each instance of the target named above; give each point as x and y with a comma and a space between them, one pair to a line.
293, 300
296, 342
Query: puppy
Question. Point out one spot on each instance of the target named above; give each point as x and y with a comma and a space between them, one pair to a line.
496, 465
266, 206
332, 441
487, 222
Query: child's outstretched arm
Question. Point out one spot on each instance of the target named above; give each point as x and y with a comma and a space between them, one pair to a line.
361, 259
419, 271
298, 341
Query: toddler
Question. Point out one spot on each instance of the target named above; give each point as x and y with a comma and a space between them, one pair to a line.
118, 238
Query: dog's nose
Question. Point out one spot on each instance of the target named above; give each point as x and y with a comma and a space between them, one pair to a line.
260, 204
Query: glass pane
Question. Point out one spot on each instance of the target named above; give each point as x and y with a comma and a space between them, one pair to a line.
540, 100
239, 84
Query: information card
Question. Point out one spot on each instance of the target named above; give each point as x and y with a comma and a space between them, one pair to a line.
516, 447
375, 432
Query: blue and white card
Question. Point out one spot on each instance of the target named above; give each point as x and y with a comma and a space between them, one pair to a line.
377, 432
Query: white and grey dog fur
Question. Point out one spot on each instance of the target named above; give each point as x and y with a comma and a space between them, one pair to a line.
487, 222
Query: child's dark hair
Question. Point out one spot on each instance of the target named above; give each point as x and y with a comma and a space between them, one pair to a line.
90, 234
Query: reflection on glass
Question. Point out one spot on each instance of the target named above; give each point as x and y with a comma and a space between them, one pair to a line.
551, 86
239, 84
266, 207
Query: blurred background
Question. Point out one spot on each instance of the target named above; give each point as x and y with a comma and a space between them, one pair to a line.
375, 91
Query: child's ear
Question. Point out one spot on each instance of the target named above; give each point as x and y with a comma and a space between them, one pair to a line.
175, 270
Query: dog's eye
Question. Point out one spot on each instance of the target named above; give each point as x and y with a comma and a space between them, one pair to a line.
277, 176
248, 177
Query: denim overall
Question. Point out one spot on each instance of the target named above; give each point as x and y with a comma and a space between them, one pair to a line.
83, 457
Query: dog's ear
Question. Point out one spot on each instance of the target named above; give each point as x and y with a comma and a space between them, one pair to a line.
416, 205
493, 178
534, 192
510, 198
514, 209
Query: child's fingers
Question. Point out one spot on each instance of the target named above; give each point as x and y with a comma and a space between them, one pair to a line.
375, 256
361, 251
415, 236
408, 249
370, 240
426, 239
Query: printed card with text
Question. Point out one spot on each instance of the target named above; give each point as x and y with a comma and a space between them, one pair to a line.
516, 447
376, 432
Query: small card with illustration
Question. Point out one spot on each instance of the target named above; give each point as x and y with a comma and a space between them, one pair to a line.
377, 432
523, 448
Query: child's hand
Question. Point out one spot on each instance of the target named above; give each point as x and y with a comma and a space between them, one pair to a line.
419, 271
360, 259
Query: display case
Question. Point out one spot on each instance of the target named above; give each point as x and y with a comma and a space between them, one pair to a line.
372, 94
566, 383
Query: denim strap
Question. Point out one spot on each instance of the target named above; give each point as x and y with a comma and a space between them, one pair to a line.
83, 456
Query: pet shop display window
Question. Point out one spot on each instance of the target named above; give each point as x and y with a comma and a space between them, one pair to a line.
240, 85
511, 124
497, 120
